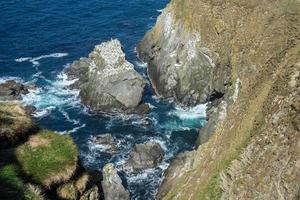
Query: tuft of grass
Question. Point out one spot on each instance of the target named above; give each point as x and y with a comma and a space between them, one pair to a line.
67, 191
12, 187
14, 122
82, 182
48, 157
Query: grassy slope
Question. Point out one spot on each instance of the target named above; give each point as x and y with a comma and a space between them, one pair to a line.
260, 39
48, 157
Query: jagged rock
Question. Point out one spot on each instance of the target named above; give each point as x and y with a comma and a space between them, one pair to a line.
112, 184
107, 81
91, 194
107, 141
145, 156
12, 90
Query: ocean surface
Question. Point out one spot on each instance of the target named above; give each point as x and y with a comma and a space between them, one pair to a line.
39, 39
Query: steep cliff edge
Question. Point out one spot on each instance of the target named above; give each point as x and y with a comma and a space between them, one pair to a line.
244, 56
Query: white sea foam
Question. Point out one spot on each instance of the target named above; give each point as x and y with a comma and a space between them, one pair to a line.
73, 130
6, 78
34, 60
141, 64
67, 117
54, 95
196, 112
160, 10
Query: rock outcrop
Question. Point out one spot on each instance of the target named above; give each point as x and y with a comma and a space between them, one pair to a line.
243, 57
112, 184
12, 90
178, 66
106, 80
144, 156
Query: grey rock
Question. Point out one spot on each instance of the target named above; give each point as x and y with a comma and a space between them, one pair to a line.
177, 64
112, 184
144, 156
107, 81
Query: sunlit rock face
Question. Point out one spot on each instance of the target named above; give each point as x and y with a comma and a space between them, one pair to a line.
107, 81
178, 66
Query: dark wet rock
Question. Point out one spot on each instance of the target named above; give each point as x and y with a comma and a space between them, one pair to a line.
29, 109
141, 109
107, 141
145, 156
106, 80
112, 184
12, 90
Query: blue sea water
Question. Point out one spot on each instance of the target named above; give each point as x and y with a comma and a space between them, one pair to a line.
39, 39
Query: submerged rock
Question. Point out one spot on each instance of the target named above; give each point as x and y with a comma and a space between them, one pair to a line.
112, 184
107, 141
107, 81
12, 90
145, 156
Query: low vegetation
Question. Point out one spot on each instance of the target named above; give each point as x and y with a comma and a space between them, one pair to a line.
12, 186
14, 123
48, 158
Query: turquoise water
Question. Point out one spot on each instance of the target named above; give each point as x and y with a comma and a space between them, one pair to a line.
39, 39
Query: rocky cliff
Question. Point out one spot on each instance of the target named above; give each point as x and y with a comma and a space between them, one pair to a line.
243, 57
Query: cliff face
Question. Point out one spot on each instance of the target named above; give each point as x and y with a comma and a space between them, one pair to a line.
244, 56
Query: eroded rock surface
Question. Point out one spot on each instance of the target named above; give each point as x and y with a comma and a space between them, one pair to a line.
112, 184
107, 81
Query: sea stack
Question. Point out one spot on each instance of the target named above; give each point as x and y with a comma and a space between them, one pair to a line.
106, 80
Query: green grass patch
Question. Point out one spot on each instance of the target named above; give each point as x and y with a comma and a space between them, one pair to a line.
12, 186
214, 191
48, 157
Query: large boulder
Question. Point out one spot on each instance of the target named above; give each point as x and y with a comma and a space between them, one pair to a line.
145, 156
107, 81
112, 184
12, 90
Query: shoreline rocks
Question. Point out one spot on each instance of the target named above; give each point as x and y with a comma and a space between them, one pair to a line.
112, 184
106, 80
13, 91
108, 142
144, 156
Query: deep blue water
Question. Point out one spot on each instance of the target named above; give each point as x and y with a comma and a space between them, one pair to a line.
38, 39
